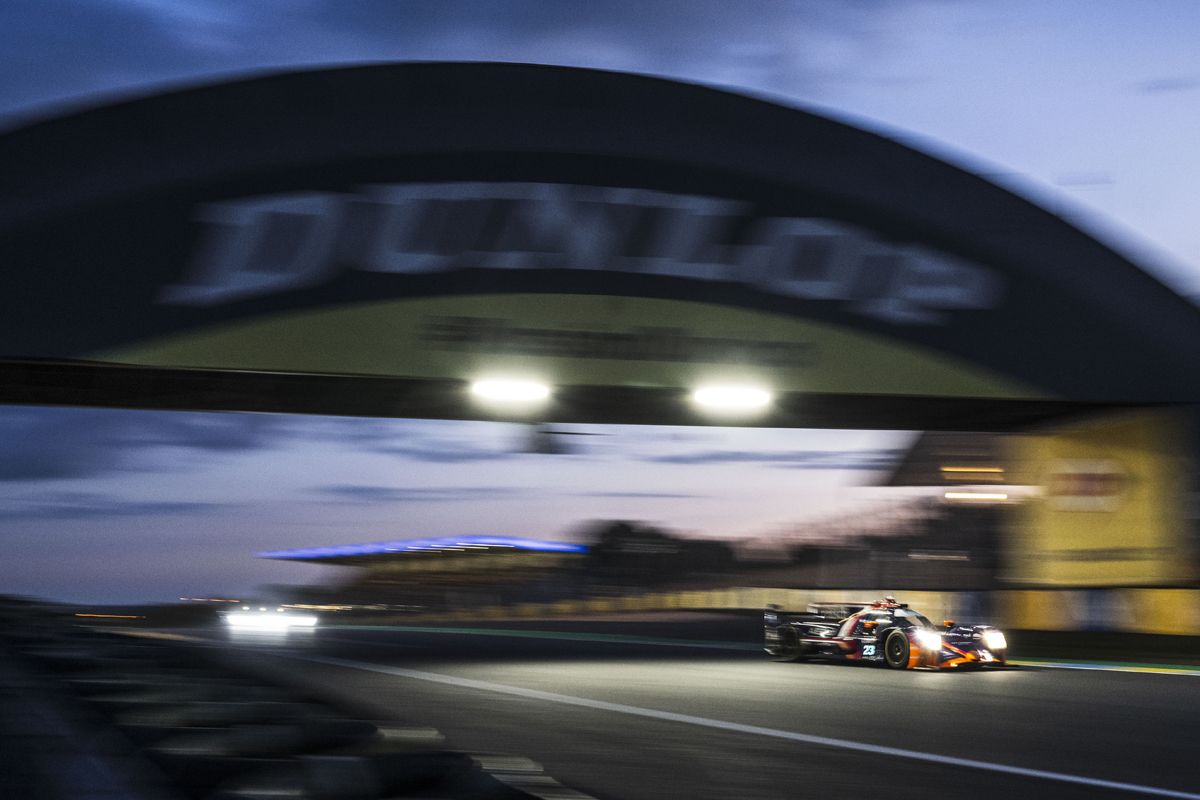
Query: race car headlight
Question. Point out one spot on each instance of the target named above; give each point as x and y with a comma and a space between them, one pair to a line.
994, 640
929, 640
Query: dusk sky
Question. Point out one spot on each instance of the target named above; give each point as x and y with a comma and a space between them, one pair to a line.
116, 505
1090, 108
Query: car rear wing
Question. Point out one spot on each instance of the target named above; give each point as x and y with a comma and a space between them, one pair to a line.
822, 610
837, 610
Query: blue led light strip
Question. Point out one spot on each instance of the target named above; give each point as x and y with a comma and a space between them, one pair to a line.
423, 545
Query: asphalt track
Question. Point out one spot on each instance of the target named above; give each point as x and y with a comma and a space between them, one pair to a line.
688, 709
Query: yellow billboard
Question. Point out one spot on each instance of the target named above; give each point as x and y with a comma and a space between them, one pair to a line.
1110, 505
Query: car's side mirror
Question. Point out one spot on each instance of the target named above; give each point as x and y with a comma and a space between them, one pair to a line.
948, 623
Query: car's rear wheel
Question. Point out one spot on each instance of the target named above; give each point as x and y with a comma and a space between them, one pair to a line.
896, 649
790, 647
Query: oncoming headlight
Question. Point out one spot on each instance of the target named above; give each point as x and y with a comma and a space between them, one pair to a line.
929, 640
994, 640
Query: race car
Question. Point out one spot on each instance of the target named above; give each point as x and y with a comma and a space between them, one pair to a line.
882, 632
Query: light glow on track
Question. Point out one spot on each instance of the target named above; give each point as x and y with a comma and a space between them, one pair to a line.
269, 621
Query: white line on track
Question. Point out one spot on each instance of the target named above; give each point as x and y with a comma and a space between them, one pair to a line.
1141, 669
754, 730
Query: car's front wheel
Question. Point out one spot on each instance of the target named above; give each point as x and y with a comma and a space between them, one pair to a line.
896, 649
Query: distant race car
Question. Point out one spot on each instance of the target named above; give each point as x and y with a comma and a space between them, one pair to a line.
882, 632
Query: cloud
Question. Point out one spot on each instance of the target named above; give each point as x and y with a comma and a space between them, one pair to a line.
38, 444
362, 493
231, 432
793, 459
1085, 179
443, 442
52, 50
427, 441
350, 431
1175, 83
91, 505
443, 451
46, 443
782, 45
648, 495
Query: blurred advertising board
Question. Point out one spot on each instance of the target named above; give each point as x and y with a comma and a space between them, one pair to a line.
1111, 506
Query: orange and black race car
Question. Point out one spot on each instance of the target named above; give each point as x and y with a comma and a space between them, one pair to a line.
882, 632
